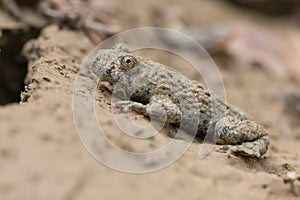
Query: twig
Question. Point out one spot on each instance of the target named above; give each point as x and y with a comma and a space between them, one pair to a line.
13, 8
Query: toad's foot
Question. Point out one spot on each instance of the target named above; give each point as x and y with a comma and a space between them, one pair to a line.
241, 137
127, 106
251, 149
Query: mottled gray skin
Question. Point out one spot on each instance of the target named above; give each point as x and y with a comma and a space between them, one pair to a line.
184, 101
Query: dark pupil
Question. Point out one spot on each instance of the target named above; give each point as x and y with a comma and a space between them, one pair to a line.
128, 61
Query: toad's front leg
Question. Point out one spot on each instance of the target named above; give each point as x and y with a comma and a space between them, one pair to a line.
160, 108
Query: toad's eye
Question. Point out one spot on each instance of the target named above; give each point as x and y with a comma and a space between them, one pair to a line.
128, 62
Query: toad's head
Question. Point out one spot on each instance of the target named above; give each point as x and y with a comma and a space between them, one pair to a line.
110, 64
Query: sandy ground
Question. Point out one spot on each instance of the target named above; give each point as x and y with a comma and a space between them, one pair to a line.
41, 156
